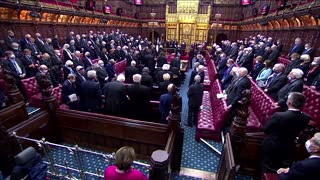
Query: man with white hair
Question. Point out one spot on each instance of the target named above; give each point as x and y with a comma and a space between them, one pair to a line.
87, 60
68, 69
275, 81
130, 71
139, 98
116, 97
195, 94
166, 102
247, 60
295, 84
165, 69
281, 131
77, 59
308, 168
90, 94
199, 71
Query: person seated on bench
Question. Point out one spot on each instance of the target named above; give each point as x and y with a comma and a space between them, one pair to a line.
275, 81
122, 169
308, 168
281, 130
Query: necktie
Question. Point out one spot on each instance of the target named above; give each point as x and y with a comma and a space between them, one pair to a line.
16, 66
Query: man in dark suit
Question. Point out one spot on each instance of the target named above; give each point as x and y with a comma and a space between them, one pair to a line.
295, 61
81, 77
276, 81
234, 51
308, 168
146, 79
258, 66
308, 50
195, 94
35, 52
90, 94
316, 83
139, 98
29, 63
248, 60
68, 92
281, 131
77, 60
222, 65
200, 72
165, 103
14, 65
163, 86
87, 61
227, 77
10, 39
25, 41
235, 92
165, 70
148, 61
102, 74
130, 71
116, 97
274, 55
295, 84
297, 47
111, 69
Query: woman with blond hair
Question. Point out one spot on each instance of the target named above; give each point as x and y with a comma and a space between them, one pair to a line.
122, 169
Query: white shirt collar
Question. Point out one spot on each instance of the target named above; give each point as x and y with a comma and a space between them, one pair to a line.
292, 109
314, 156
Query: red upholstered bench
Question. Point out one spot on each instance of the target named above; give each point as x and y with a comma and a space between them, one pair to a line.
270, 176
32, 90
212, 116
261, 108
120, 67
284, 61
312, 106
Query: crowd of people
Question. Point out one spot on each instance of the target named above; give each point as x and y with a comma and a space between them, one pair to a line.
85, 68
256, 57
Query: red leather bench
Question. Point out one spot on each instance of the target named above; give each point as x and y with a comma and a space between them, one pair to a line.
312, 106
213, 114
270, 176
284, 61
261, 108
33, 92
120, 67
210, 74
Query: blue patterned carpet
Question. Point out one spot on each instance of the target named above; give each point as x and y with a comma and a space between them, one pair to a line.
195, 154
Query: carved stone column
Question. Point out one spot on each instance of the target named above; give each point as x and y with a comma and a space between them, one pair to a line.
239, 124
159, 165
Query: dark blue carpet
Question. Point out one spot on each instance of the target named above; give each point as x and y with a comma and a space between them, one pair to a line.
196, 155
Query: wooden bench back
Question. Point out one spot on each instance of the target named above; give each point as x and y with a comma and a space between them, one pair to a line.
227, 165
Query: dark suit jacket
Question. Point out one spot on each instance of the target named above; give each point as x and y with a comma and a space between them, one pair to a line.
67, 89
115, 93
195, 94
222, 66
165, 104
276, 85
34, 49
67, 56
316, 82
101, 75
235, 92
90, 96
248, 61
293, 64
297, 49
161, 61
234, 53
111, 71
256, 70
175, 63
281, 130
273, 57
139, 98
305, 169
77, 62
309, 52
312, 74
86, 62
130, 71
293, 86
27, 61
163, 86
7, 64
146, 80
